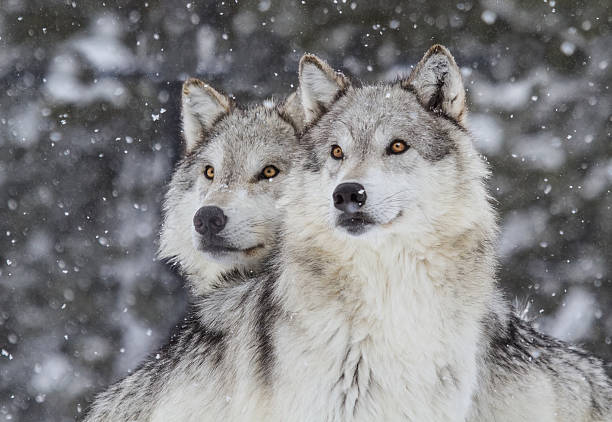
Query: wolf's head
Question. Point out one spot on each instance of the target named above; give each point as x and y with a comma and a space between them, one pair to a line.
388, 160
220, 210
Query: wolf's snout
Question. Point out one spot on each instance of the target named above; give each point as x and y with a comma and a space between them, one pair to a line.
349, 197
209, 220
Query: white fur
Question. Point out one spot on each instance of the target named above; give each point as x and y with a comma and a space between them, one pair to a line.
397, 310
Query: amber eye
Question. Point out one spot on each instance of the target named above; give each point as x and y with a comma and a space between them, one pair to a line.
397, 147
269, 172
209, 172
336, 152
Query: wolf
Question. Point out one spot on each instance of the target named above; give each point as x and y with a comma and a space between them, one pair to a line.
409, 182
219, 211
379, 301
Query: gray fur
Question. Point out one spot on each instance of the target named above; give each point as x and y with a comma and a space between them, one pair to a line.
403, 321
518, 360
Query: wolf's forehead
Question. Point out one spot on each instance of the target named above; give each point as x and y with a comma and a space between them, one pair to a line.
368, 107
373, 116
254, 128
246, 141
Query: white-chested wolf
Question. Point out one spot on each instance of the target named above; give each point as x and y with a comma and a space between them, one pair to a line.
418, 260
380, 302
220, 209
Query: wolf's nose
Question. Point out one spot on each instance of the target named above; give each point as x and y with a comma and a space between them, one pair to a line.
349, 197
209, 220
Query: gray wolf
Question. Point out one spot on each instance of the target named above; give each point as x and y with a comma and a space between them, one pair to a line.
220, 213
380, 301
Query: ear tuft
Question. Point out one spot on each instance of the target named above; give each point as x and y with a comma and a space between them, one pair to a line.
202, 107
437, 82
319, 86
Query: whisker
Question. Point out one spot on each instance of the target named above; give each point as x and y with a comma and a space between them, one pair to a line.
392, 197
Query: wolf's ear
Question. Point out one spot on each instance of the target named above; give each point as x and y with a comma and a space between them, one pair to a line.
436, 80
319, 86
201, 107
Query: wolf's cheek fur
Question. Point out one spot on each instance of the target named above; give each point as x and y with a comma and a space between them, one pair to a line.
251, 221
177, 226
421, 196
406, 194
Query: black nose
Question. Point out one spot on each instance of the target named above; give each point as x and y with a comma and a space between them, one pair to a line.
349, 197
209, 220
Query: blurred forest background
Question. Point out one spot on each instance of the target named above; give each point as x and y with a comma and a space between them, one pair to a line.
89, 132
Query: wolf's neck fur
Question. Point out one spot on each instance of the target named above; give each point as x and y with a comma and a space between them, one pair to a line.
397, 320
206, 274
203, 276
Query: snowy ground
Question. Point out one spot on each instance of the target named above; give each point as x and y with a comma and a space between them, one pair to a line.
89, 133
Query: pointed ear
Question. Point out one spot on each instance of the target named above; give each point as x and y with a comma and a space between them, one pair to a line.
319, 86
202, 106
437, 82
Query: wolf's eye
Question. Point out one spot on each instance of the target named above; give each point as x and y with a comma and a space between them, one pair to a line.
269, 172
209, 172
397, 146
336, 152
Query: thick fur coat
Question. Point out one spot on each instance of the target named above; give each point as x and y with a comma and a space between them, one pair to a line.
383, 308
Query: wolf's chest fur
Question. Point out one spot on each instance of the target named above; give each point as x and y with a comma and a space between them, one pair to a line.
395, 338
